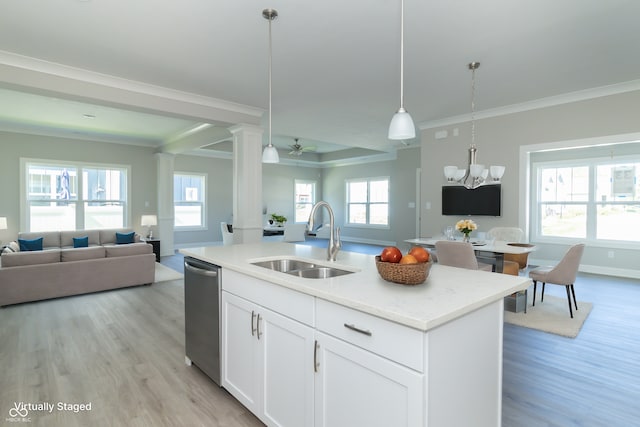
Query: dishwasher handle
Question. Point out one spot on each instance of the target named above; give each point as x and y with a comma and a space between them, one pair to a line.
200, 271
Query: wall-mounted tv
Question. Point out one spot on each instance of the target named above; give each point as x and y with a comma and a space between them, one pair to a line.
484, 200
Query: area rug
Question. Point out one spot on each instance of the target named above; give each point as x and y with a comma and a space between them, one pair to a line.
551, 316
164, 273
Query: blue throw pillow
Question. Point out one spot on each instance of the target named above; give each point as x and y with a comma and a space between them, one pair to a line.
124, 238
30, 245
81, 242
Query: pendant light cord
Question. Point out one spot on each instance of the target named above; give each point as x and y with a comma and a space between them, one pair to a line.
402, 54
270, 55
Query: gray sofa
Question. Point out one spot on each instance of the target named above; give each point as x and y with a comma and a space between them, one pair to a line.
61, 270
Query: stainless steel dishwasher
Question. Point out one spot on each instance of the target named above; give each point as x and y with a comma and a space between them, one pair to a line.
202, 316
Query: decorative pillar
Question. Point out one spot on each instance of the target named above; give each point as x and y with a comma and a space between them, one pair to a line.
247, 183
165, 166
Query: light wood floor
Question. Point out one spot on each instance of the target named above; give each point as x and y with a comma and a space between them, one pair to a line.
123, 351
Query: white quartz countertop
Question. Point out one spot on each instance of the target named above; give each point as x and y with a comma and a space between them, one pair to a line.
448, 293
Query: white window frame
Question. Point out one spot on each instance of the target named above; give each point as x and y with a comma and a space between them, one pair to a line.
368, 203
314, 184
591, 203
203, 203
25, 219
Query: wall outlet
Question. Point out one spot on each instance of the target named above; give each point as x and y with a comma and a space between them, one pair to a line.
610, 254
412, 205
427, 205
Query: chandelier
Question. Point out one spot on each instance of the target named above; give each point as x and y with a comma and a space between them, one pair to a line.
476, 174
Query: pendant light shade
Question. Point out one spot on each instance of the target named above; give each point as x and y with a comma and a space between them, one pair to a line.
270, 154
402, 126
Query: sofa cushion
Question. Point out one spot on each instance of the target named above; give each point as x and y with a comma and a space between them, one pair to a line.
81, 254
30, 244
51, 239
81, 242
30, 258
125, 238
130, 249
108, 236
66, 237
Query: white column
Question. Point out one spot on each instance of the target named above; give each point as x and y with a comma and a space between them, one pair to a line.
247, 183
165, 167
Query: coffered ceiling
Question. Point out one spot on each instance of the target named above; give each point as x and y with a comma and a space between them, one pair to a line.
148, 72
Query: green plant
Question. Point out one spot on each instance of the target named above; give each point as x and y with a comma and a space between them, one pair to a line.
278, 218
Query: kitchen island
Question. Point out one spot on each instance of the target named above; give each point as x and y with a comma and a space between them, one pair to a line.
355, 349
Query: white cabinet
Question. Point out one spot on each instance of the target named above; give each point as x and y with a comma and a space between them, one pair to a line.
355, 387
267, 362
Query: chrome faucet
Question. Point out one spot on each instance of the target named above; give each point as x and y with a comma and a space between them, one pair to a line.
334, 233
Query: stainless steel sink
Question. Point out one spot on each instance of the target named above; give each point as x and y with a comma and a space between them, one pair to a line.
285, 265
319, 272
308, 270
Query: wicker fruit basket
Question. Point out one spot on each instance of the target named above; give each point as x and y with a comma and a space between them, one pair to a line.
405, 274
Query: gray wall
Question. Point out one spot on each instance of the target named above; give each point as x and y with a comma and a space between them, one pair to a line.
14, 146
499, 140
402, 175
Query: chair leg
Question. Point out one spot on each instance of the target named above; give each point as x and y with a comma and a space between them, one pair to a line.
575, 301
535, 284
569, 299
542, 297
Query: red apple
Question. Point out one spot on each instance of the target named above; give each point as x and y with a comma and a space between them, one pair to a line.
391, 254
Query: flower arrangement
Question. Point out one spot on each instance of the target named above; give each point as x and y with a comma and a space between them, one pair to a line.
466, 226
278, 219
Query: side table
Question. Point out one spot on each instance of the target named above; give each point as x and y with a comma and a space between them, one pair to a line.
156, 247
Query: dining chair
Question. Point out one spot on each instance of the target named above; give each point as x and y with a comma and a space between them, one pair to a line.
227, 235
459, 254
294, 232
512, 235
563, 274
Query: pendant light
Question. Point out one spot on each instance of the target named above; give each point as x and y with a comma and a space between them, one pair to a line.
402, 126
270, 154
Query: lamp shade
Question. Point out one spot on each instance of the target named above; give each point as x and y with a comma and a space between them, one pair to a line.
450, 172
270, 155
3, 223
476, 170
496, 172
402, 126
149, 220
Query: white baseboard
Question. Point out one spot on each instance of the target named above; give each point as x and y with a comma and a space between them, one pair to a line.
594, 269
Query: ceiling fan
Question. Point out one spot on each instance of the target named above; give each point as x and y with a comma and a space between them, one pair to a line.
297, 149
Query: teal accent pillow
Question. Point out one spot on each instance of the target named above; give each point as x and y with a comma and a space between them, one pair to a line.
124, 238
81, 242
30, 245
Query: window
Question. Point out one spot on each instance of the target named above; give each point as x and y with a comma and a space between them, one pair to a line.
368, 201
591, 199
72, 196
189, 200
305, 198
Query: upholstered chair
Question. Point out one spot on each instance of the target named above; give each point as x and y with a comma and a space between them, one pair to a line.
459, 254
513, 263
227, 236
563, 274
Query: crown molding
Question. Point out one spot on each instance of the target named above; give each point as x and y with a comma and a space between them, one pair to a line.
60, 70
551, 101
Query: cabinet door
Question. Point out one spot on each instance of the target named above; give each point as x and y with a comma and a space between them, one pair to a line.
241, 368
287, 369
357, 388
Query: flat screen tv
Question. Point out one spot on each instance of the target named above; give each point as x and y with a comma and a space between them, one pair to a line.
484, 200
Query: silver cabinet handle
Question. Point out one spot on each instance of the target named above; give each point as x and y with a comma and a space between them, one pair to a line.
316, 364
258, 326
253, 316
355, 328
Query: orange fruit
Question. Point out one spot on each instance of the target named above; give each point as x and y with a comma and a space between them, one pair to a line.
408, 259
420, 253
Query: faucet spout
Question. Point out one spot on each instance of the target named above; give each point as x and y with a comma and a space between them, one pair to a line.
334, 233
